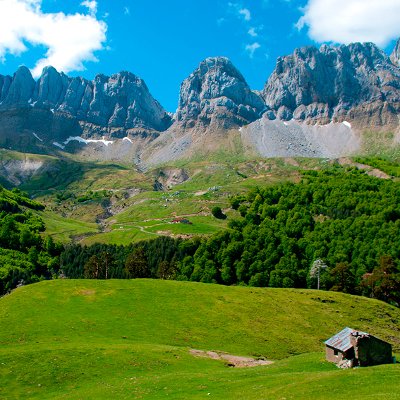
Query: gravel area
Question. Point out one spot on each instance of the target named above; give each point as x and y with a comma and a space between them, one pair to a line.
293, 139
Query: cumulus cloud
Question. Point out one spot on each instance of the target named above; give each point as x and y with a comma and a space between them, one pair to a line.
346, 21
245, 13
252, 32
70, 40
91, 5
251, 48
242, 12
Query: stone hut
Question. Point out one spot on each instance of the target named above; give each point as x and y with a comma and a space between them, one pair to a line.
350, 348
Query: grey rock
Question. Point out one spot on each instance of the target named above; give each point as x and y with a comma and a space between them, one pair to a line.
395, 56
5, 82
77, 98
327, 83
18, 92
50, 88
217, 94
120, 101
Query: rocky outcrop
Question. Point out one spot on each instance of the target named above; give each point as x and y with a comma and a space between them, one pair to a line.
167, 178
217, 95
357, 83
120, 101
333, 83
16, 91
395, 56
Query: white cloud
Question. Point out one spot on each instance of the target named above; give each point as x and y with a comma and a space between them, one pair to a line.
70, 39
245, 13
251, 48
91, 6
346, 21
252, 32
242, 12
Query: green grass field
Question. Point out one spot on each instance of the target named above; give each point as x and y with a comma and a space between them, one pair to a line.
131, 339
147, 212
64, 229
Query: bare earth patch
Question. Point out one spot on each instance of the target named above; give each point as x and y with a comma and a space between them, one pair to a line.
87, 292
377, 173
233, 361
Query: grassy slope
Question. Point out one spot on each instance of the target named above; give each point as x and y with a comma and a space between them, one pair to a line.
130, 339
192, 199
149, 213
62, 229
147, 208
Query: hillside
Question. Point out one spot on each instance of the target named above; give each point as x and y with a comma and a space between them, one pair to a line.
131, 339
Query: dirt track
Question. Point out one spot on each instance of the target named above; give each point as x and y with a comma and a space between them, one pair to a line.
233, 361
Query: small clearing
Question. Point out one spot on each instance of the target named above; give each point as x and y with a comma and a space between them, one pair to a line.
233, 361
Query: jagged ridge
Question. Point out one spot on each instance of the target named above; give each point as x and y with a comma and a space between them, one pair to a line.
120, 101
216, 94
357, 83
331, 82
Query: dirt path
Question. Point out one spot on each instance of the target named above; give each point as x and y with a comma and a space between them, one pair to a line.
233, 361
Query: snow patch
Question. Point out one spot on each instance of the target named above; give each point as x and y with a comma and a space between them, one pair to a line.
36, 136
127, 139
348, 124
86, 141
59, 145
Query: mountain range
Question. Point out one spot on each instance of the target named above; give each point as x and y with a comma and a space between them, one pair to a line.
315, 103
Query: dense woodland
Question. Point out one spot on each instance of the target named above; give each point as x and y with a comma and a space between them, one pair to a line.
25, 255
341, 225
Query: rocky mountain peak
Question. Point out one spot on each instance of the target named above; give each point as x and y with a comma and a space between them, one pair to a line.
395, 56
123, 99
217, 94
120, 102
50, 88
19, 89
326, 83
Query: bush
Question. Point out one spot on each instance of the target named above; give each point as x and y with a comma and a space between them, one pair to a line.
217, 213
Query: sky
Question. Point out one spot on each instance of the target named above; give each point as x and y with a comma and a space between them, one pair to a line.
163, 41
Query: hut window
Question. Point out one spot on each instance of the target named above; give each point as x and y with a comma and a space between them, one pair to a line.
336, 352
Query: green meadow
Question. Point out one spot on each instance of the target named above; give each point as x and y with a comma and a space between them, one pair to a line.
131, 339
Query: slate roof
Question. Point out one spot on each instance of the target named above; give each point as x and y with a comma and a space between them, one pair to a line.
341, 341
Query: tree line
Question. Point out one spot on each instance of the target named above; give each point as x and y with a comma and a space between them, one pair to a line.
25, 255
345, 218
156, 258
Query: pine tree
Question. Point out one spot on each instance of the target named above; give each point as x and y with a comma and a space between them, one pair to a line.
136, 264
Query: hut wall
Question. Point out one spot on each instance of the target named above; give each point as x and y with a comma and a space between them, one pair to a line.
372, 351
332, 357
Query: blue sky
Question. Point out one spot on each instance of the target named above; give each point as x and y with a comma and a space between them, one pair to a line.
164, 41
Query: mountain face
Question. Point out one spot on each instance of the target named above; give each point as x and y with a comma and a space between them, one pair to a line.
357, 84
395, 56
335, 83
120, 101
217, 95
